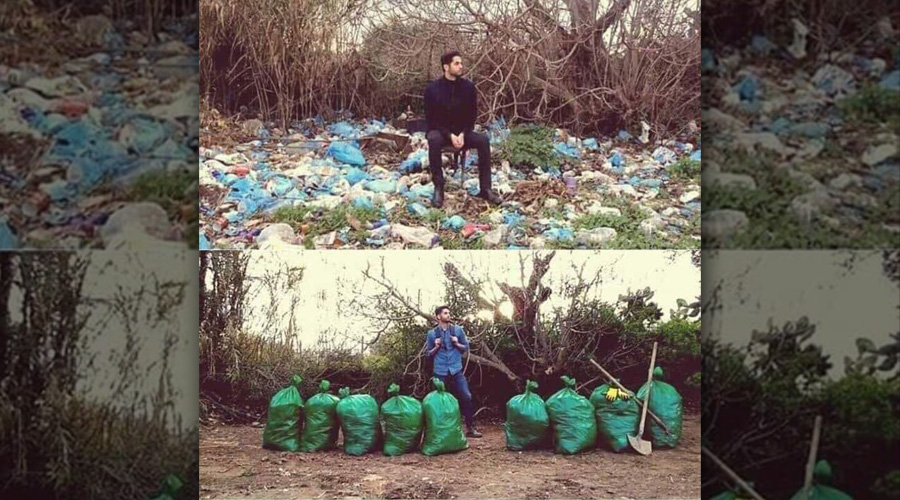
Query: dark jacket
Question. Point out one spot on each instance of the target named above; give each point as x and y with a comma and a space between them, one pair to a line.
451, 106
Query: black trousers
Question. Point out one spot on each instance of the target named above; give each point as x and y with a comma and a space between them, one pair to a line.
472, 140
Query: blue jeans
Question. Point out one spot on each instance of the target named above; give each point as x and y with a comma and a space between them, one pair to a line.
457, 385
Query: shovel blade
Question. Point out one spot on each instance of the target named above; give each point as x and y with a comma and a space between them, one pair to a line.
641, 446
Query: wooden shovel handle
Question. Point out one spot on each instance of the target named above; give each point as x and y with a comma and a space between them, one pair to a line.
731, 474
621, 387
647, 394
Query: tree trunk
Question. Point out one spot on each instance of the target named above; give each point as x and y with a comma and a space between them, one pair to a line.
6, 279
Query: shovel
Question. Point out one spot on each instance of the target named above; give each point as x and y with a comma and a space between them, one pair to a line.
637, 442
811, 461
622, 388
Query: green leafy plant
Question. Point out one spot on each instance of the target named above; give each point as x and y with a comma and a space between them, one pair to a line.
531, 146
873, 105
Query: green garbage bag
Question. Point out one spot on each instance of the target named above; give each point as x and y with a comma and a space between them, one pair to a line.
170, 488
282, 430
403, 422
820, 488
732, 495
320, 431
729, 495
358, 415
618, 416
527, 423
572, 417
443, 422
665, 402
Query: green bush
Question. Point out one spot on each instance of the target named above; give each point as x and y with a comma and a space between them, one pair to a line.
531, 146
873, 105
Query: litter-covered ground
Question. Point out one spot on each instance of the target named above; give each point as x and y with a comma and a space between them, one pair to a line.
98, 139
802, 149
234, 464
348, 183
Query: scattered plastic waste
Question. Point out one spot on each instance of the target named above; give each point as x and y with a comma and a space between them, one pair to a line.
76, 146
247, 186
792, 118
664, 155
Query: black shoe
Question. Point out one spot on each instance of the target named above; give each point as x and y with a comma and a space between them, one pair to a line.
492, 197
437, 201
473, 433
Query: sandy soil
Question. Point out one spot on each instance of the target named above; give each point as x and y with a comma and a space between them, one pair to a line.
234, 465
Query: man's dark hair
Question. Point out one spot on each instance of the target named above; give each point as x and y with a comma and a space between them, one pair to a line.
448, 57
439, 309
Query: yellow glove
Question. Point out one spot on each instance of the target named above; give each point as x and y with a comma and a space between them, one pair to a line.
624, 395
612, 394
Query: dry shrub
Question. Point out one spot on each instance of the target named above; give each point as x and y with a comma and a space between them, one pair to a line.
285, 57
549, 63
834, 24
58, 441
539, 61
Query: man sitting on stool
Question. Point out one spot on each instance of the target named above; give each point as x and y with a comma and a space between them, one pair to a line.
450, 110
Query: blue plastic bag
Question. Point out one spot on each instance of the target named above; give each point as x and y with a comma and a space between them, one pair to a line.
382, 186
617, 160
363, 203
559, 234
455, 223
344, 130
707, 60
417, 209
513, 219
414, 162
345, 152
891, 81
590, 144
8, 239
355, 175
566, 150
748, 88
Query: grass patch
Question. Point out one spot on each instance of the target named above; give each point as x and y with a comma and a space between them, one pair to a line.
171, 191
593, 221
686, 169
324, 221
872, 106
292, 215
772, 225
435, 216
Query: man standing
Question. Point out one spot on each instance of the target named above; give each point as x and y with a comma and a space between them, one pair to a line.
451, 107
445, 344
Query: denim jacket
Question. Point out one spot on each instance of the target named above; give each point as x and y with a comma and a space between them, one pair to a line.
448, 359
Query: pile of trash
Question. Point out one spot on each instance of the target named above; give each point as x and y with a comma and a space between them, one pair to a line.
826, 130
98, 150
345, 183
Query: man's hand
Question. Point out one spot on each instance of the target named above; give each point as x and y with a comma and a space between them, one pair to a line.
454, 340
437, 342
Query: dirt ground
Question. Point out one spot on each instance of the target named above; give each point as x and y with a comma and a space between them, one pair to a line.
233, 464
